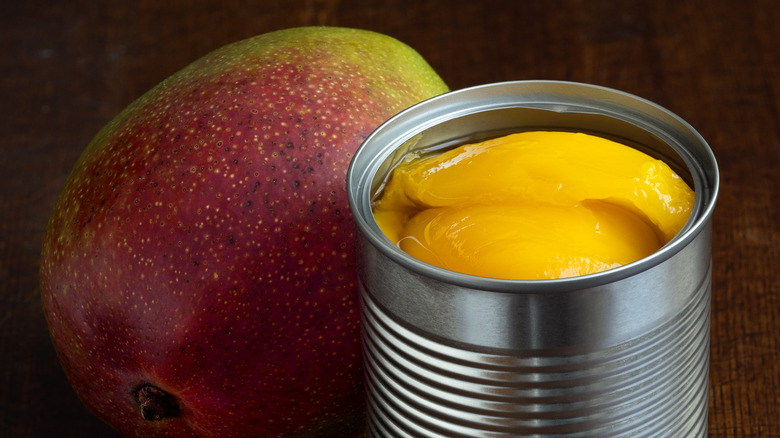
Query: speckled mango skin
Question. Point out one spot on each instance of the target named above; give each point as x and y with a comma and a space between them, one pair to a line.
203, 242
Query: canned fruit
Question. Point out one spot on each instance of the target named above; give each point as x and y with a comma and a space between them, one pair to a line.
533, 205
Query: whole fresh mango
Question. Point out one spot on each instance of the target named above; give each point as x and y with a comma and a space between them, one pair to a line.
198, 272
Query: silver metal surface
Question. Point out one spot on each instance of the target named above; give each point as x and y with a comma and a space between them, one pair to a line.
623, 352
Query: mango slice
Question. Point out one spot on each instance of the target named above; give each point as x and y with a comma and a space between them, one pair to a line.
533, 205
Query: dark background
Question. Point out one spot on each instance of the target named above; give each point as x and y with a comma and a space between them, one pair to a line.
66, 68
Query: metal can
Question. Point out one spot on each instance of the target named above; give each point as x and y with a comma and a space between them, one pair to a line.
624, 352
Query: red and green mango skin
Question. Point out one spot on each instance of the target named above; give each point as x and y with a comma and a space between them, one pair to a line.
203, 242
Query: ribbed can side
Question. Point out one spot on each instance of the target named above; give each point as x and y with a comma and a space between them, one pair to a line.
650, 386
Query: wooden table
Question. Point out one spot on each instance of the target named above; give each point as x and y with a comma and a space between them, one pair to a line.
67, 67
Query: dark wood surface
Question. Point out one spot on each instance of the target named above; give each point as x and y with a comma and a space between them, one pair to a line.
66, 68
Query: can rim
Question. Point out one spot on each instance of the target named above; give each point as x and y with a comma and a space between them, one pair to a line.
558, 96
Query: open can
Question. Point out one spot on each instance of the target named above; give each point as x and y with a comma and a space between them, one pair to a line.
623, 352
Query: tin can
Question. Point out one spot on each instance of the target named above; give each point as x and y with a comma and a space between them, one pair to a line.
624, 352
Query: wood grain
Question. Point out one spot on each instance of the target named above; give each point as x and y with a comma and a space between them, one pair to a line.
68, 67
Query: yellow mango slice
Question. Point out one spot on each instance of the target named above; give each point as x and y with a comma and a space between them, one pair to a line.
534, 205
